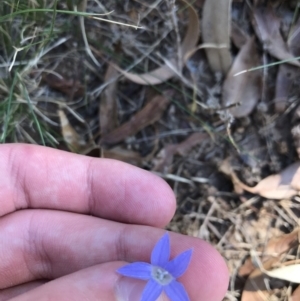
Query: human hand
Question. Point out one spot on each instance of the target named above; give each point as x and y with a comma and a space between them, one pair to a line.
68, 222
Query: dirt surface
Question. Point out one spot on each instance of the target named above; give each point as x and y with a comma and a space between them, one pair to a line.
195, 123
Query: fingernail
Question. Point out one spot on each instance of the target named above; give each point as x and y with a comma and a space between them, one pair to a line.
131, 290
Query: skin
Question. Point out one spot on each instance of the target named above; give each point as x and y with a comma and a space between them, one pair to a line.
68, 222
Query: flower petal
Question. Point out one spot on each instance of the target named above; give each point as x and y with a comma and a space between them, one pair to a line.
151, 291
161, 252
177, 266
176, 292
139, 270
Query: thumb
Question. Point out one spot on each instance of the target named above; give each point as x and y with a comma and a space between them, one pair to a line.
99, 282
128, 289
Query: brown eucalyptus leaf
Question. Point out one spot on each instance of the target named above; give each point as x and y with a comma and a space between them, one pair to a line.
284, 81
255, 287
274, 248
116, 153
238, 36
283, 243
122, 154
244, 89
267, 27
94, 152
108, 102
287, 73
151, 113
193, 140
216, 23
294, 39
165, 157
284, 185
69, 87
164, 72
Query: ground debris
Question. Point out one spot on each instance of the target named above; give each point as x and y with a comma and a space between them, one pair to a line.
243, 90
174, 66
280, 186
267, 27
151, 113
165, 157
216, 23
108, 114
70, 87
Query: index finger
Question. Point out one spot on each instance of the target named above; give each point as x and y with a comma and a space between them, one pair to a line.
40, 177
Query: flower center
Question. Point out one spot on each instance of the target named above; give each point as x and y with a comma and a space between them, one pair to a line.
161, 276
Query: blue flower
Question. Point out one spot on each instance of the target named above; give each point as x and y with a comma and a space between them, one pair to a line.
161, 273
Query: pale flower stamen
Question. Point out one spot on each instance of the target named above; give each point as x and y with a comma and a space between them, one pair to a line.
162, 276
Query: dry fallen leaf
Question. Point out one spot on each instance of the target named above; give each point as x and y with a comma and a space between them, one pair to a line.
255, 287
238, 36
193, 140
71, 137
151, 113
284, 185
267, 27
108, 103
69, 87
287, 73
283, 243
116, 153
284, 81
287, 272
216, 22
294, 39
121, 154
274, 248
165, 157
245, 88
164, 72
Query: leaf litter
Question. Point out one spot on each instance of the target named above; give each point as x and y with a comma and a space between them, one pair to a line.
169, 70
70, 87
288, 74
267, 27
284, 185
164, 158
151, 113
243, 90
108, 104
216, 27
98, 111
